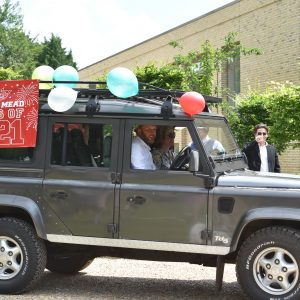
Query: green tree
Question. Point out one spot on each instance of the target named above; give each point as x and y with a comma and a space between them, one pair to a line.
197, 69
22, 54
201, 65
284, 109
248, 111
278, 106
17, 50
165, 76
10, 16
9, 74
54, 55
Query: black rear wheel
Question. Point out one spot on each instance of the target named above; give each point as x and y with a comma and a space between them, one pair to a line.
67, 264
22, 256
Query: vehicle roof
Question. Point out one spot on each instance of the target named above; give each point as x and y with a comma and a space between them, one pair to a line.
147, 102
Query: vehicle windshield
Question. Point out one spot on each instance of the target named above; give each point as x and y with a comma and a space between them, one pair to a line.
218, 141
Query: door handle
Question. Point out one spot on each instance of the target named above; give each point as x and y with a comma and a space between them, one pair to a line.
136, 199
59, 195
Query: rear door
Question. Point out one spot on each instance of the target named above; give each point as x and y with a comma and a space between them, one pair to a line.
162, 205
78, 181
22, 169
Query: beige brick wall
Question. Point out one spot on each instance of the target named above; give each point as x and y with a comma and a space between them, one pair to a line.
270, 25
290, 161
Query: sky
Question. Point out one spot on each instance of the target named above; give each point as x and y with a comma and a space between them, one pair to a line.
97, 29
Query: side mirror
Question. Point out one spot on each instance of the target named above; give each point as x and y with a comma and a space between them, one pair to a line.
194, 161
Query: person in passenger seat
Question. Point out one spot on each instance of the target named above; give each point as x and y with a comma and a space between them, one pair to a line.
163, 148
141, 157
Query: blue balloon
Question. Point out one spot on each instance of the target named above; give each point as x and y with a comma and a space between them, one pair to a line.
122, 82
65, 73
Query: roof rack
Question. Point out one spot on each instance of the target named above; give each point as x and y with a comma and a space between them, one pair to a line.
147, 94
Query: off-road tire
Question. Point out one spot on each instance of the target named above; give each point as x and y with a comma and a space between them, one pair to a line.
22, 257
268, 264
68, 265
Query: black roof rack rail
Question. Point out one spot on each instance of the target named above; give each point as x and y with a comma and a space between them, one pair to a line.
151, 92
147, 94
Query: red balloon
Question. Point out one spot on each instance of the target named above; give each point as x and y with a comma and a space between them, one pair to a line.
192, 103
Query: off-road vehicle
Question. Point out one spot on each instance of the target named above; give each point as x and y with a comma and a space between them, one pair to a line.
75, 196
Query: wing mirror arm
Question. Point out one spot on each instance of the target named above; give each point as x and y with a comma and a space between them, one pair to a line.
194, 167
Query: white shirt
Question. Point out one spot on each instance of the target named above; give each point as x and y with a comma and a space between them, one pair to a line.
141, 157
264, 167
216, 144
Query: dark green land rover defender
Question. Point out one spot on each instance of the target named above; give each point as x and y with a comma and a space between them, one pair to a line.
76, 196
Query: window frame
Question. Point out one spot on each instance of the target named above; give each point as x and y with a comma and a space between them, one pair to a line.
189, 124
37, 160
82, 120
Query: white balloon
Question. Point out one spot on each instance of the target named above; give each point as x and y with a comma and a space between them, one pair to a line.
62, 98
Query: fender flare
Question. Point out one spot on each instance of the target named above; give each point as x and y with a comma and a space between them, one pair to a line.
265, 213
30, 207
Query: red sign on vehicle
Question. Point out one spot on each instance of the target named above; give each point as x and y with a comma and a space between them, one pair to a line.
18, 113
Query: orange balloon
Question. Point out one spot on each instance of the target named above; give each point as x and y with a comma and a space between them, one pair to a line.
192, 103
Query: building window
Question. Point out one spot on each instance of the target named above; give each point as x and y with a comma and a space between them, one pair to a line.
232, 78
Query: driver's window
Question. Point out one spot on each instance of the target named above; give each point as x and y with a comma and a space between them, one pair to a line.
160, 147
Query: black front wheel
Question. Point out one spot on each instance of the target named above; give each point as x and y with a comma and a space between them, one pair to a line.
268, 264
22, 256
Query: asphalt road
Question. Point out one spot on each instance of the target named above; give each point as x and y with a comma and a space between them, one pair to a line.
108, 278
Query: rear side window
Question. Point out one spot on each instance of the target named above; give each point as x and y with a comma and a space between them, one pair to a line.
77, 144
17, 154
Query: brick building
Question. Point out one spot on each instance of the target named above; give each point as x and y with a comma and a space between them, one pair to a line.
273, 26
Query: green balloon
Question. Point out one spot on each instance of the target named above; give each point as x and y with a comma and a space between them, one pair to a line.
43, 73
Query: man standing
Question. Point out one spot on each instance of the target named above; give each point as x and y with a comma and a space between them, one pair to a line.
211, 146
141, 157
261, 155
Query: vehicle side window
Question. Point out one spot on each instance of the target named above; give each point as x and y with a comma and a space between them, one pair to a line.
76, 144
17, 154
156, 147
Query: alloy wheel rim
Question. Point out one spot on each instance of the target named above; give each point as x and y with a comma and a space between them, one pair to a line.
11, 258
276, 271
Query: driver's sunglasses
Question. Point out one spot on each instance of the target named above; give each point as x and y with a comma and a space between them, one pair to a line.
261, 133
171, 135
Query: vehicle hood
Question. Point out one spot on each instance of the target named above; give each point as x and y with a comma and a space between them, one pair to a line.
249, 178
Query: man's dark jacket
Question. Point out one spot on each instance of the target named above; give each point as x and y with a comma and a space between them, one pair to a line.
252, 152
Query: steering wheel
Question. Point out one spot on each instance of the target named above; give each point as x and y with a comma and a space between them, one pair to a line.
181, 161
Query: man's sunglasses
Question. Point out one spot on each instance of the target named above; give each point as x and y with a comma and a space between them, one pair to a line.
261, 133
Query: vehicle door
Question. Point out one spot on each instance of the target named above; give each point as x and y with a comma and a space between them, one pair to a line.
22, 168
78, 184
162, 205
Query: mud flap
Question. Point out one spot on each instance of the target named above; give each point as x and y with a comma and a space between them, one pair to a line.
220, 272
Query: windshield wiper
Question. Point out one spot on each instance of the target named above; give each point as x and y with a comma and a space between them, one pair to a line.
227, 158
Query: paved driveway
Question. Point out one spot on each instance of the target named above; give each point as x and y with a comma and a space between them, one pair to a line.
108, 278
